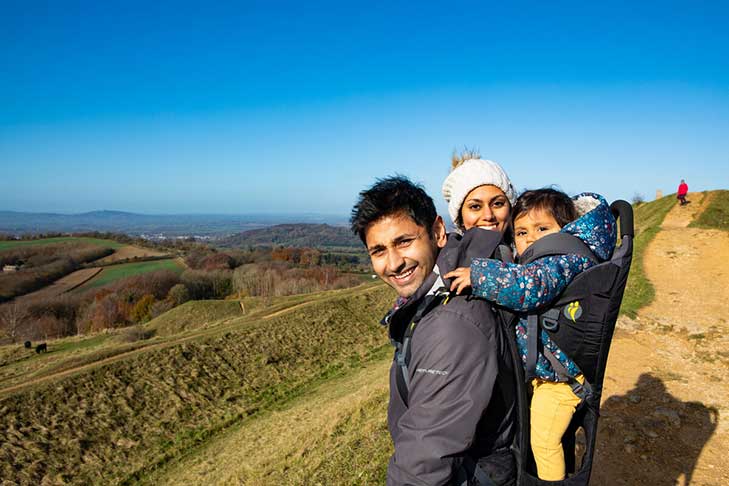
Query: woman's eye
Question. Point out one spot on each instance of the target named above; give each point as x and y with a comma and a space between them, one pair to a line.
498, 204
475, 207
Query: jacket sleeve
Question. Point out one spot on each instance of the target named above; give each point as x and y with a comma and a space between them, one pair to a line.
523, 288
453, 369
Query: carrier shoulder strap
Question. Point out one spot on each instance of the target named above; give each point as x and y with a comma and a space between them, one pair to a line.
402, 350
557, 244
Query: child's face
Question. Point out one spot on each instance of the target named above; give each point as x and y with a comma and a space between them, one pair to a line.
531, 226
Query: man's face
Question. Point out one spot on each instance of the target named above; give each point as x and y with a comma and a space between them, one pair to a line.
402, 253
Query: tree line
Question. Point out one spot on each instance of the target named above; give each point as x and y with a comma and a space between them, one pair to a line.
253, 272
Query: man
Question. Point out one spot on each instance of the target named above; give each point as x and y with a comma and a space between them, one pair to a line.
681, 193
452, 391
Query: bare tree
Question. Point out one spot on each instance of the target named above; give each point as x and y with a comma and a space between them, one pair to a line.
13, 317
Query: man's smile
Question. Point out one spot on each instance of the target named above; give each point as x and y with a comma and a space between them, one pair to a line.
405, 276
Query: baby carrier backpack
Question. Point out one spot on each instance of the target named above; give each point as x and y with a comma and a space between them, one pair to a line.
581, 322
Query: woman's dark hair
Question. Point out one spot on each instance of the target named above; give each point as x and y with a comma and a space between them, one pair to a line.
557, 203
389, 196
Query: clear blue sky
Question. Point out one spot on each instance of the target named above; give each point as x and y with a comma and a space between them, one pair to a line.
174, 107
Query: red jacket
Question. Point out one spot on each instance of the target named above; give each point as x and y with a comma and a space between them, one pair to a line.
682, 189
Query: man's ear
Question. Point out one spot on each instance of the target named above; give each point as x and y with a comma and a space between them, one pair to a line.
439, 232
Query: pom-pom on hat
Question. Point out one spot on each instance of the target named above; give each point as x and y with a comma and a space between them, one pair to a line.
469, 175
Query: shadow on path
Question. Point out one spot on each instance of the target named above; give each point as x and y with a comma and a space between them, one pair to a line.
648, 436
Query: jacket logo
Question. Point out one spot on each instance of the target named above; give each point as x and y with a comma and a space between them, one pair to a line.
431, 372
573, 311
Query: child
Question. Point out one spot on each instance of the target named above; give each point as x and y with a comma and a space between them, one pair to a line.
524, 288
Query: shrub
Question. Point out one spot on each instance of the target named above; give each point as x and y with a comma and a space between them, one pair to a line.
142, 310
135, 333
178, 294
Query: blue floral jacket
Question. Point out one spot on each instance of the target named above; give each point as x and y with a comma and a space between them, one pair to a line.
525, 288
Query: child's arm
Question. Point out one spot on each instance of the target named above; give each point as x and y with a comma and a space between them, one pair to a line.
524, 288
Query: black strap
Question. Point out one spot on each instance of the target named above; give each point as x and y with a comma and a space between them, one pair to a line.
582, 391
402, 351
557, 244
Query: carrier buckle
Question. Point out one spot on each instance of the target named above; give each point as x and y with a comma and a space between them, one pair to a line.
550, 324
550, 320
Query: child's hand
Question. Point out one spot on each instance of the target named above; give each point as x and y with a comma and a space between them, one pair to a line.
461, 279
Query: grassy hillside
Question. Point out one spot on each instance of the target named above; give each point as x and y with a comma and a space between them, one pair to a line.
648, 218
194, 314
116, 272
716, 213
61, 239
115, 423
336, 429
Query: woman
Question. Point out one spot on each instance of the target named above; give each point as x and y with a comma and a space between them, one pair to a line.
479, 193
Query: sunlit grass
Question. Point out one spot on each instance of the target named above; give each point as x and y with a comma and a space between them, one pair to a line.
648, 217
716, 213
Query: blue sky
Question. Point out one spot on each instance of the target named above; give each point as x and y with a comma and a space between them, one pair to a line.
175, 107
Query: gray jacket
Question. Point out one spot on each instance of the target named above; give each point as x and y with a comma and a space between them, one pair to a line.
461, 394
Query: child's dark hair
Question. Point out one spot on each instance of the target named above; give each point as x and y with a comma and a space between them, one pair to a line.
388, 196
557, 203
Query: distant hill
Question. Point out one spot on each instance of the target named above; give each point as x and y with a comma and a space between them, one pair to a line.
296, 235
12, 222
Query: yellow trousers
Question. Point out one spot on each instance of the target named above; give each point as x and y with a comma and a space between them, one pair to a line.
553, 405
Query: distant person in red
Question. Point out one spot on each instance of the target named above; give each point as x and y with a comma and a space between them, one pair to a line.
682, 191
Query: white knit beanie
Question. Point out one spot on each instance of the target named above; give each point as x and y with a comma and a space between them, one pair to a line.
469, 175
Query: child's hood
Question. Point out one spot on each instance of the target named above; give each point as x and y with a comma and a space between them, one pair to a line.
595, 226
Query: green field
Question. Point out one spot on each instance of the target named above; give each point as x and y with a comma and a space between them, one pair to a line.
113, 273
5, 245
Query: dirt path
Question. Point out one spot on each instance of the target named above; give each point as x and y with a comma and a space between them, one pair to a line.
690, 270
665, 411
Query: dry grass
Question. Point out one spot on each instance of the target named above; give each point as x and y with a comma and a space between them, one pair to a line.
333, 434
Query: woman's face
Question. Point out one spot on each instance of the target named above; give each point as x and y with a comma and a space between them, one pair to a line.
486, 207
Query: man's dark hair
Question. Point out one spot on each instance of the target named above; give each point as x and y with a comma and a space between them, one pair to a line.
554, 202
388, 196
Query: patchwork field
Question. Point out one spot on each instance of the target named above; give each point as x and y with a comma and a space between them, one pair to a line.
113, 273
62, 285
